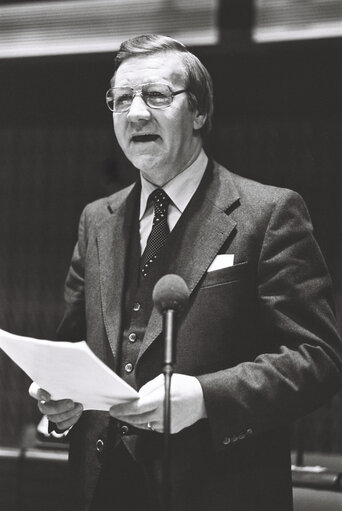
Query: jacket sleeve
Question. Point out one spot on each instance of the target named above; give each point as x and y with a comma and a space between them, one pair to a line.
302, 368
73, 324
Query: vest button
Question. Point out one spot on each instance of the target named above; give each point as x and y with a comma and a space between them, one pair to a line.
129, 367
136, 306
132, 337
99, 445
124, 430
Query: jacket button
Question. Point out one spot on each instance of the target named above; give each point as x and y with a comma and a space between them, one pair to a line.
132, 337
136, 306
124, 430
99, 445
129, 367
226, 440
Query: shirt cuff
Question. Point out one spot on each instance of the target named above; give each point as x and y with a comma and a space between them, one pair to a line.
43, 429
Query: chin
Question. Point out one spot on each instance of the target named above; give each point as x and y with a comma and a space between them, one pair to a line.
147, 165
152, 176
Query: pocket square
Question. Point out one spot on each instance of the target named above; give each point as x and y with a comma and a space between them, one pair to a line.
221, 261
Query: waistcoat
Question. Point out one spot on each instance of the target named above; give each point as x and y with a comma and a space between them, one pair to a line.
137, 303
137, 298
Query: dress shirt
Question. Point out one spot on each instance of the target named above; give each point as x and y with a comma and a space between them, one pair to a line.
180, 190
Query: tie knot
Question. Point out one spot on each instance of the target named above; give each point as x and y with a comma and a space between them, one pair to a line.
160, 201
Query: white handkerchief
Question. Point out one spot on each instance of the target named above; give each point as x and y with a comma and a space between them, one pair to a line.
221, 261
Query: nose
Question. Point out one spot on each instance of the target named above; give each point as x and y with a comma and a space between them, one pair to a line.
138, 110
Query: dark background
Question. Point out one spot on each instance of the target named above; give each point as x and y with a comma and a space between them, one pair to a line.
277, 119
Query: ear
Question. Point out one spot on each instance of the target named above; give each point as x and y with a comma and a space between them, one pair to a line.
199, 120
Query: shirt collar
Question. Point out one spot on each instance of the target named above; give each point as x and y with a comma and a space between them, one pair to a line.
181, 188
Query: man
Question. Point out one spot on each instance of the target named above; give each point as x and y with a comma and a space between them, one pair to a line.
256, 345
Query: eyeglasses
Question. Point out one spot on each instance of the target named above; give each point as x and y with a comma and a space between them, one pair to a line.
155, 95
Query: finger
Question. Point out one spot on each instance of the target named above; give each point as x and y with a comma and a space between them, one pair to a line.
133, 408
155, 426
66, 424
67, 416
55, 407
120, 408
138, 420
43, 395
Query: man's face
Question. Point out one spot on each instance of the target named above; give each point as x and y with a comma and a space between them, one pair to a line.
160, 143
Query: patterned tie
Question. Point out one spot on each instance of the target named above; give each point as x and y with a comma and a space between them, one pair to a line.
159, 232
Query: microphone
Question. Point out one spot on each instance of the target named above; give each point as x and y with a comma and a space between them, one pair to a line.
170, 295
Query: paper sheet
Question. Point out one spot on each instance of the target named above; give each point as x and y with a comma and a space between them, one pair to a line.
67, 370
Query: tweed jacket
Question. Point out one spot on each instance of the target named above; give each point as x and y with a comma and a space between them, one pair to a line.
260, 336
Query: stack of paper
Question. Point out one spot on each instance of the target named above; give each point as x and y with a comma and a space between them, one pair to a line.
67, 370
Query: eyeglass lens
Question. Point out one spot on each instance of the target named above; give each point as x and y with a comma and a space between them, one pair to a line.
155, 95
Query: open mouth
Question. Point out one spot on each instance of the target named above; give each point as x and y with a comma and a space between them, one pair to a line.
145, 138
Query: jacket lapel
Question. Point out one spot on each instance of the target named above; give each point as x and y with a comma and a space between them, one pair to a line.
112, 241
206, 226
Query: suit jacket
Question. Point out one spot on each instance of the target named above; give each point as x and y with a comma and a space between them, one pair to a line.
260, 336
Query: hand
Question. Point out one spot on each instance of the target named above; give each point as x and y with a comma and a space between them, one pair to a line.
64, 412
147, 412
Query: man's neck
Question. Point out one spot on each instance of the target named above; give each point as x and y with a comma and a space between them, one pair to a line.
162, 182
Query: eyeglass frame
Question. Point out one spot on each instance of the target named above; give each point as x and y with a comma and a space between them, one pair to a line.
138, 92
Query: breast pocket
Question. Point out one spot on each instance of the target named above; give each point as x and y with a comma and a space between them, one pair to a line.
227, 275
219, 324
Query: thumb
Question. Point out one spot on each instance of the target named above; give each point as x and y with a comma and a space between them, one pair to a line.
151, 385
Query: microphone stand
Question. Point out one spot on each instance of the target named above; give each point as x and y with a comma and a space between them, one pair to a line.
168, 327
169, 295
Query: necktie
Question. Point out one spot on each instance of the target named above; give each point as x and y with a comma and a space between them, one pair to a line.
159, 232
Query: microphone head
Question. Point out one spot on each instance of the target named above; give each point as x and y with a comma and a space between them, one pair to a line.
170, 292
